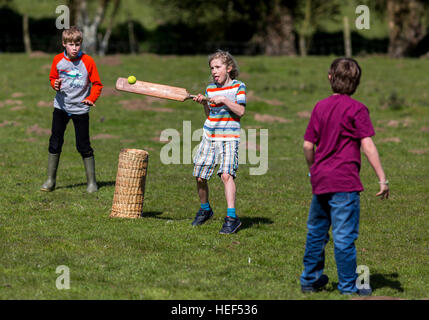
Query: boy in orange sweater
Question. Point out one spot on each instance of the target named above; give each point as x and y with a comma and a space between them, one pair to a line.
75, 78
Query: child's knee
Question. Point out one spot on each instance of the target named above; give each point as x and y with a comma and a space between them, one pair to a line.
55, 144
87, 154
201, 180
226, 177
85, 149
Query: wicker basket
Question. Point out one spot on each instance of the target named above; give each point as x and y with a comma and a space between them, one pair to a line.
130, 184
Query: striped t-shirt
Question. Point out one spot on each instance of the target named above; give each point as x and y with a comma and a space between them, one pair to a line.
222, 124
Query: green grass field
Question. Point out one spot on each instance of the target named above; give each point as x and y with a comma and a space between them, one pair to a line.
160, 256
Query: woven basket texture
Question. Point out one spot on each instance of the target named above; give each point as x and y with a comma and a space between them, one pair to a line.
130, 184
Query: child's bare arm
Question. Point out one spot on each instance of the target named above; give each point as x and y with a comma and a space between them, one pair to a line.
309, 153
206, 108
370, 151
203, 100
237, 108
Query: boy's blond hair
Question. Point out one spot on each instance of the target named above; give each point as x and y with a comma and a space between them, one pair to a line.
228, 60
72, 35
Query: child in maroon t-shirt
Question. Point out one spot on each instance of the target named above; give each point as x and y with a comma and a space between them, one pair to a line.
339, 126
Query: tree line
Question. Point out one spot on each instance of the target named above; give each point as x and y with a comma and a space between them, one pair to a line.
274, 27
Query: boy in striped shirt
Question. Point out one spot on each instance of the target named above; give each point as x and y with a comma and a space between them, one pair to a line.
224, 104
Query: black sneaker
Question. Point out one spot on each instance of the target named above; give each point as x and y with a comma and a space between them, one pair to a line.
202, 216
317, 285
230, 226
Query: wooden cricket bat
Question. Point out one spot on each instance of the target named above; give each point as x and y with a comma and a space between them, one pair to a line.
154, 90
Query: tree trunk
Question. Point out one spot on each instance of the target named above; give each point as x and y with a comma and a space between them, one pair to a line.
405, 26
347, 38
131, 35
26, 34
89, 28
279, 36
304, 32
303, 50
89, 44
104, 42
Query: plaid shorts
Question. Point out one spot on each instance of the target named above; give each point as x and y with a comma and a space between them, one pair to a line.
210, 153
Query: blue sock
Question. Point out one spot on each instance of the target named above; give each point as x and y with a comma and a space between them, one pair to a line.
230, 212
205, 206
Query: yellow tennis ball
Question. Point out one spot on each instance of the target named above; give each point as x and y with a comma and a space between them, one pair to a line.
132, 79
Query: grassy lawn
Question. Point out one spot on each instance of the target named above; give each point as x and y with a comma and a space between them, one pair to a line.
160, 256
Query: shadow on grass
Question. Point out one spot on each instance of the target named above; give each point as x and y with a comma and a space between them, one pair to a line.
100, 184
377, 281
389, 280
155, 214
247, 222
151, 214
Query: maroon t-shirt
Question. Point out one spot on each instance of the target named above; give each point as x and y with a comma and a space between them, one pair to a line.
336, 127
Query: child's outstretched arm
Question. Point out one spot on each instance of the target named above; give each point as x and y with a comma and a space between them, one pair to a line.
370, 150
203, 100
236, 108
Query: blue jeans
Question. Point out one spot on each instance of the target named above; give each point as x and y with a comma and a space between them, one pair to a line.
341, 210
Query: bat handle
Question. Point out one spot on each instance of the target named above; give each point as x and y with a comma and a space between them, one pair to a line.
191, 96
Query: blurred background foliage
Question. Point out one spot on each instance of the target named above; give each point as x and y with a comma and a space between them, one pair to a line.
248, 27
